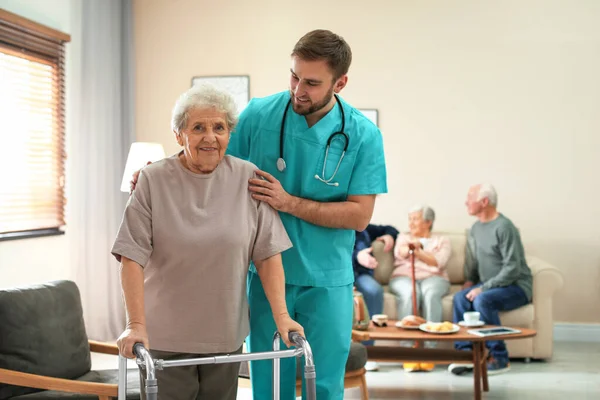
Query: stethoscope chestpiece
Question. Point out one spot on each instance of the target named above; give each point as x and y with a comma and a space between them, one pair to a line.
280, 164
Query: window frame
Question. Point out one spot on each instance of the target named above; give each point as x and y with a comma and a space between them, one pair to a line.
28, 39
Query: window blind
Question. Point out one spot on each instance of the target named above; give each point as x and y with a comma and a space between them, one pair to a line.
32, 126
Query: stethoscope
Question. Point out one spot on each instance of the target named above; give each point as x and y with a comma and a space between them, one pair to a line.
281, 162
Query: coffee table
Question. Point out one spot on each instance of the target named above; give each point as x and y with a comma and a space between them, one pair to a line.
436, 356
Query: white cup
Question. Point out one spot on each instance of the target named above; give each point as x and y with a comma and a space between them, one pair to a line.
471, 317
380, 318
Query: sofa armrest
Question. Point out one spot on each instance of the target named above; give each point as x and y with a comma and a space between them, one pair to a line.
547, 279
17, 378
103, 347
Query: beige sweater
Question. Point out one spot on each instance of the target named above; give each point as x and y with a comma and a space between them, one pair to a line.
194, 235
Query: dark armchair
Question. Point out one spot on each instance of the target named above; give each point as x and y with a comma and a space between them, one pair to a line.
44, 349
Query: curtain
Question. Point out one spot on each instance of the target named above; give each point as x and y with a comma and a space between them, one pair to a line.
102, 129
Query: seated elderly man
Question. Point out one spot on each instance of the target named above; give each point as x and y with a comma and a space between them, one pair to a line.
188, 234
432, 253
498, 277
364, 264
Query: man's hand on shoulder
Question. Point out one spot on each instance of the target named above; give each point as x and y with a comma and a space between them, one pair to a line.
268, 189
134, 178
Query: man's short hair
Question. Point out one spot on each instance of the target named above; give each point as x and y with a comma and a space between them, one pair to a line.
487, 191
325, 45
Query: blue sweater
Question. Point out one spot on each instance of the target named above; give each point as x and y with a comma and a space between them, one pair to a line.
363, 241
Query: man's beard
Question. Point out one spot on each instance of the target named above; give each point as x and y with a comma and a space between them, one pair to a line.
314, 107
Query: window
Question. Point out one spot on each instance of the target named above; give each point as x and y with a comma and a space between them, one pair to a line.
32, 128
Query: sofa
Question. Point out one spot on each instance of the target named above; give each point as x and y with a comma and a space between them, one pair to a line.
537, 315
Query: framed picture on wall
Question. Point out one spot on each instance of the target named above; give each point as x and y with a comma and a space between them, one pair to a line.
372, 114
237, 85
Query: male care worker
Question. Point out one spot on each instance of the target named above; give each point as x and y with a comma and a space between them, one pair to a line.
321, 165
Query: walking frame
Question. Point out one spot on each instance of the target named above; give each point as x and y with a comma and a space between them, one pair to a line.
146, 363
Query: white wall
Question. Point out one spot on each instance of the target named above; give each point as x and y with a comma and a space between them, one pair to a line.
506, 92
42, 259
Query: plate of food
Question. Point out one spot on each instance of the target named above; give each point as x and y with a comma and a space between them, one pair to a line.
410, 322
439, 327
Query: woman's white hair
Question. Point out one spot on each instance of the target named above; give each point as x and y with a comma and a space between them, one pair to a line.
428, 213
487, 191
203, 96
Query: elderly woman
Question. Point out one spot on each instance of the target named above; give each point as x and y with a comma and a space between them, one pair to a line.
432, 253
189, 232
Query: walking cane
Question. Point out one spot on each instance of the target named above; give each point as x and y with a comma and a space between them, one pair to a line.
411, 253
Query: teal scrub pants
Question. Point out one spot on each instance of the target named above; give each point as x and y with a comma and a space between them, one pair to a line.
325, 313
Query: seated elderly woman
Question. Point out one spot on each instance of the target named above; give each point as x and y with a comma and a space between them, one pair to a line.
188, 234
432, 253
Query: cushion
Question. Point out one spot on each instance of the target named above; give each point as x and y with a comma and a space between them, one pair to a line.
383, 272
455, 266
42, 332
519, 317
356, 360
109, 376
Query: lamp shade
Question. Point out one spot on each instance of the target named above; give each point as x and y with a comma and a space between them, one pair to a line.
139, 155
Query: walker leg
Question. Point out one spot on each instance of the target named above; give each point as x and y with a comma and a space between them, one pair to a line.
122, 382
151, 383
276, 366
309, 366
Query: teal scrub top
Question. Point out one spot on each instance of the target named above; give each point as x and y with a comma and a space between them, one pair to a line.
320, 256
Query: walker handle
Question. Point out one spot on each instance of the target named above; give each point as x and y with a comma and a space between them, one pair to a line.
295, 338
137, 350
